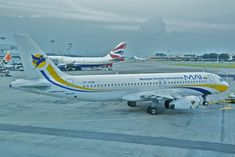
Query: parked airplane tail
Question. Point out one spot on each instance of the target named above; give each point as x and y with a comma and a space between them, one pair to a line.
117, 53
34, 60
7, 58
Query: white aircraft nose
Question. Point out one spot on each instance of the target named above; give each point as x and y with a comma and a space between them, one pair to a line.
227, 84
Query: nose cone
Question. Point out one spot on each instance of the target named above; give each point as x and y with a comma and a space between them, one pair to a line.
225, 86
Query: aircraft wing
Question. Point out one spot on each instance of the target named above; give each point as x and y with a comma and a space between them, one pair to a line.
163, 94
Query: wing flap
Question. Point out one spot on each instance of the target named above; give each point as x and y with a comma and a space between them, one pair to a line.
164, 94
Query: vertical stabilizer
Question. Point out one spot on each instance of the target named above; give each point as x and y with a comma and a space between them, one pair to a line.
32, 57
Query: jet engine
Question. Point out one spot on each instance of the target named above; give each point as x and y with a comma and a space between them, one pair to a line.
186, 102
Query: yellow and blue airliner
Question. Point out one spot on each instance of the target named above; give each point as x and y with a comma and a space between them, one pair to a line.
164, 90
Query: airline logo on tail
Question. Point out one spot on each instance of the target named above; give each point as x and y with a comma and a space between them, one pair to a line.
118, 52
7, 58
51, 75
39, 61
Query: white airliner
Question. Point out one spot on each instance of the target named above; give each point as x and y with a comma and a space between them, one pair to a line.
78, 63
135, 58
164, 90
3, 68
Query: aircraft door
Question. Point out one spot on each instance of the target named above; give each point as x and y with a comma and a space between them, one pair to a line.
162, 82
211, 78
68, 91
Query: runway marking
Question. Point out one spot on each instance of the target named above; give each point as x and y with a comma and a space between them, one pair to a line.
145, 140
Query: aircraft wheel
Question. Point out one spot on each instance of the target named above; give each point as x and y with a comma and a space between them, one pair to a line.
152, 110
205, 103
131, 103
148, 109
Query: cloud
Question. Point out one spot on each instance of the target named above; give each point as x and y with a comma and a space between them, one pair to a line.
120, 27
199, 26
70, 11
154, 24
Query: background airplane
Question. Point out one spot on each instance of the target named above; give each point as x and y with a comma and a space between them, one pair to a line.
79, 63
3, 68
164, 90
135, 58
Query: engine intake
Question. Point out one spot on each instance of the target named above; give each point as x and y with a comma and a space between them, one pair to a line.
183, 103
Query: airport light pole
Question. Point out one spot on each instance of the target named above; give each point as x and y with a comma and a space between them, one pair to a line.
2, 38
52, 45
70, 45
217, 56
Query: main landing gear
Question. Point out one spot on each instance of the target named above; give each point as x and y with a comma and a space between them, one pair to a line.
156, 107
152, 110
205, 102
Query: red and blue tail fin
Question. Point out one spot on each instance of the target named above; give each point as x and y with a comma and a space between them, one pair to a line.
118, 52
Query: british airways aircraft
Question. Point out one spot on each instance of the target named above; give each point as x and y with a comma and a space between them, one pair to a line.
78, 63
163, 90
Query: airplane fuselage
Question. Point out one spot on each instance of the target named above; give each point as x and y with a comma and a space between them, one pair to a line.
82, 62
115, 87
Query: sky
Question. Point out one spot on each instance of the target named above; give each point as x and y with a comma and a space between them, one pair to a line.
94, 27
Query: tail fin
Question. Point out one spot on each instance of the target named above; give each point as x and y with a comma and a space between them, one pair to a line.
34, 60
7, 58
117, 53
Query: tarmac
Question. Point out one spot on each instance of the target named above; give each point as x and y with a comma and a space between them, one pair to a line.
43, 126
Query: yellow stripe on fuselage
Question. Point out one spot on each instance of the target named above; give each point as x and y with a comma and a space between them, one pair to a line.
217, 87
56, 77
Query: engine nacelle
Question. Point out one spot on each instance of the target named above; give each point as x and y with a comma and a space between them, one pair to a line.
187, 102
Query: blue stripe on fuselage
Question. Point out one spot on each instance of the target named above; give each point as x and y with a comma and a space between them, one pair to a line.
203, 91
48, 79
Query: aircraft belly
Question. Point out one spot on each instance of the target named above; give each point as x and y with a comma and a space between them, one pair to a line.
102, 96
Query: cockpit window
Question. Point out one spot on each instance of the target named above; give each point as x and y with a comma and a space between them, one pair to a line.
221, 79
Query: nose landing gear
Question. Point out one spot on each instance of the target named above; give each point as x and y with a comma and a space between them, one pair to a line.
205, 102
